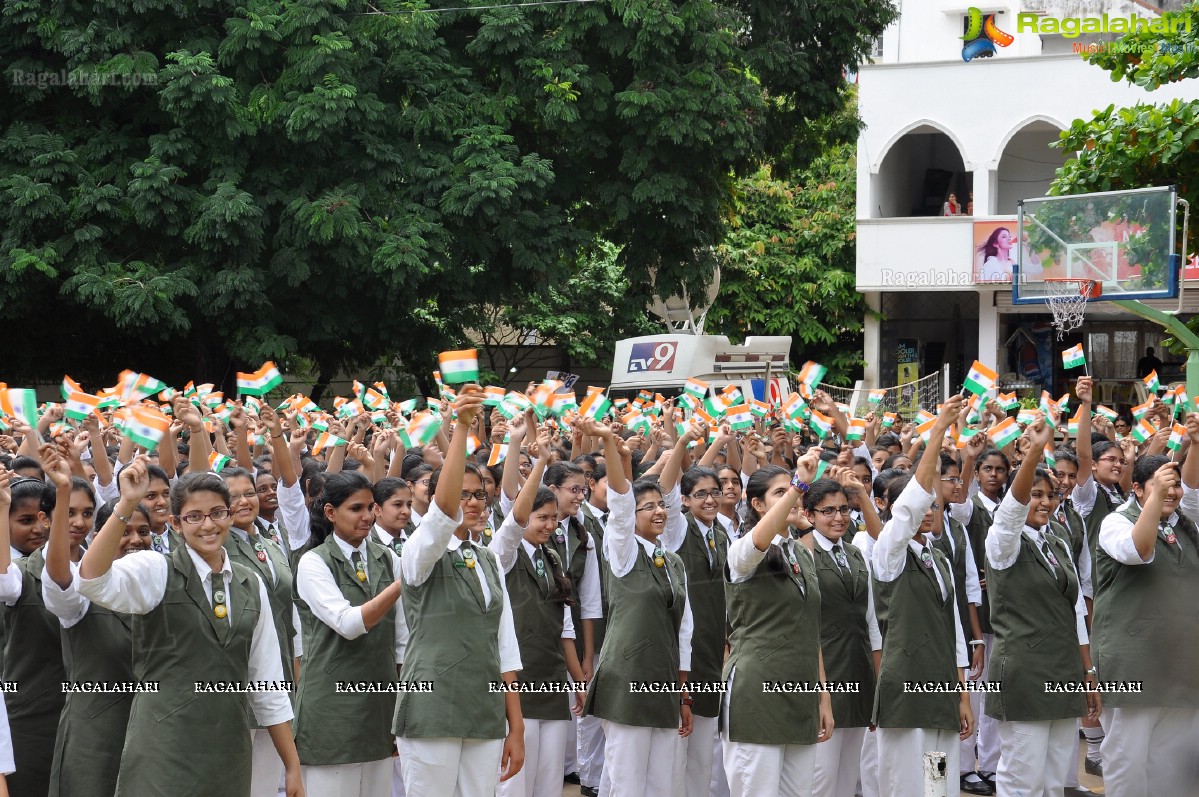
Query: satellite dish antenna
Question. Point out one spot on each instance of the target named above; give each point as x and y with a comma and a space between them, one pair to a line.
679, 313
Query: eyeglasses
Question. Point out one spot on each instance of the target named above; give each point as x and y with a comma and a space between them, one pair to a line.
652, 507
248, 496
196, 518
951, 479
480, 495
829, 511
1113, 460
704, 495
574, 490
423, 482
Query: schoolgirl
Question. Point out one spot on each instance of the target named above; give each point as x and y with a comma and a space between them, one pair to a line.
393, 513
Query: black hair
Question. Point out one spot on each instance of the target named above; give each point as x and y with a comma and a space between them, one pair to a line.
469, 467
1044, 474
412, 460
948, 462
312, 479
543, 497
22, 462
830, 455
694, 475
235, 472
821, 489
154, 472
600, 472
756, 487
562, 593
895, 488
1142, 472
886, 440
885, 477
388, 486
349, 463
993, 452
260, 462
1098, 439
338, 489
25, 488
192, 483
557, 474
860, 460
105, 510
496, 471
890, 461
643, 486
413, 474
585, 459
1065, 455
1101, 448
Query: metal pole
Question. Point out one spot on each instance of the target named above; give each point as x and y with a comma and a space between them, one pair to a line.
945, 382
935, 784
1179, 330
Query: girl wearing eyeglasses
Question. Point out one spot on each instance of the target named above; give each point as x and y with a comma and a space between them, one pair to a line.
773, 600
247, 546
922, 635
198, 617
33, 645
648, 637
462, 639
348, 589
1040, 634
848, 632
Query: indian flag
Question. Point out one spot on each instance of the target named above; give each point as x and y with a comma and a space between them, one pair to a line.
760, 409
1008, 401
705, 417
1005, 433
595, 406
1025, 417
1050, 408
563, 403
408, 406
458, 367
696, 387
472, 444
636, 421
889, 419
739, 417
69, 386
876, 396
1073, 357
793, 406
732, 396
136, 385
821, 424
492, 396
374, 400
964, 437
1151, 383
980, 379
217, 461
421, 429
1139, 411
1180, 398
146, 427
1143, 431
80, 405
925, 430
924, 416
1107, 412
812, 373
326, 440
689, 401
1177, 433
260, 382
318, 424
498, 453
792, 426
715, 406
19, 403
1050, 459
1072, 424
857, 429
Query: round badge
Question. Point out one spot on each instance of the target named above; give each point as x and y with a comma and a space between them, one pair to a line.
361, 575
398, 547
559, 538
926, 559
795, 568
219, 611
659, 561
470, 563
1170, 538
156, 539
262, 556
258, 546
218, 596
540, 568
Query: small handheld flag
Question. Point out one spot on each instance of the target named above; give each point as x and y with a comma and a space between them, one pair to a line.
1073, 357
1143, 430
459, 367
260, 382
217, 461
1151, 382
146, 427
1004, 433
980, 379
1178, 433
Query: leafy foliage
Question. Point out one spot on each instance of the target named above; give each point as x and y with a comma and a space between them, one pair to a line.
788, 264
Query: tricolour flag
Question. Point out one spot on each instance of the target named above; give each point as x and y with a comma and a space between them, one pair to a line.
793, 406
812, 373
876, 396
1050, 459
69, 386
18, 402
1026, 417
80, 405
637, 421
1072, 424
458, 367
595, 406
492, 396
421, 430
857, 429
889, 419
696, 387
925, 430
980, 379
732, 396
563, 403
715, 406
1004, 433
217, 461
326, 440
260, 382
924, 416
146, 427
964, 437
1139, 411
1177, 433
498, 453
1107, 412
739, 417
821, 424
760, 409
1008, 401
1073, 357
1143, 430
1151, 383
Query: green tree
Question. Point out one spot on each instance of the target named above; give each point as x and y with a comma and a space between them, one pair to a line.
353, 181
788, 264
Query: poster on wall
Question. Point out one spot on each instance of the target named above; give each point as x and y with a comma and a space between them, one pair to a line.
994, 253
907, 356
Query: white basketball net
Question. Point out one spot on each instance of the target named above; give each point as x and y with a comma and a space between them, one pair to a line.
1067, 301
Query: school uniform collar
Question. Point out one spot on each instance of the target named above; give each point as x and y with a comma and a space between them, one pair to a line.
242, 534
920, 542
15, 554
595, 511
387, 538
729, 525
529, 547
202, 568
826, 544
990, 505
649, 547
1038, 536
1133, 503
417, 517
700, 525
454, 543
349, 550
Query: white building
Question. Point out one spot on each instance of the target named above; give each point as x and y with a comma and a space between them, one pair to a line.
935, 124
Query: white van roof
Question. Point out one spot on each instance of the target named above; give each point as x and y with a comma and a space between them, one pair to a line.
668, 360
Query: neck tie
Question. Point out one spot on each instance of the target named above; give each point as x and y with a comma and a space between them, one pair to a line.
1048, 552
219, 598
359, 566
604, 518
839, 556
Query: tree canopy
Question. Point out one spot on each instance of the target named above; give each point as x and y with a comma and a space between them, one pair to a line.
194, 187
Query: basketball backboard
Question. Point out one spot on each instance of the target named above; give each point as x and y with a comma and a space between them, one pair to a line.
1124, 240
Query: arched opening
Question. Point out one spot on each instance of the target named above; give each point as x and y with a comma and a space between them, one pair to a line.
1027, 164
919, 172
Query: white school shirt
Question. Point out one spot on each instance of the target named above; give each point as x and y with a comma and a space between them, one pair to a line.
137, 584
1115, 535
890, 553
316, 586
1003, 548
590, 600
293, 511
964, 511
425, 547
620, 549
1086, 493
974, 590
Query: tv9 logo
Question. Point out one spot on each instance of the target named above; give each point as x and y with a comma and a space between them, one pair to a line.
652, 356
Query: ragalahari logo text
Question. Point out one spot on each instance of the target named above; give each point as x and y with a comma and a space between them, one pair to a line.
981, 36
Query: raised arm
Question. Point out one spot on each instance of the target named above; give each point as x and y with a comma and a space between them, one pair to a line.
58, 548
1040, 433
928, 471
1084, 389
449, 484
239, 422
100, 461
524, 501
774, 522
199, 446
510, 481
135, 482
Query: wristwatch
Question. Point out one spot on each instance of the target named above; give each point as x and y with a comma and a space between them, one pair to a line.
686, 700
799, 484
1094, 672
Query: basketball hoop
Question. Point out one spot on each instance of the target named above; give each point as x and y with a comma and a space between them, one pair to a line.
1067, 301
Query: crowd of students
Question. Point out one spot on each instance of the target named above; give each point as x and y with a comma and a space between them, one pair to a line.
682, 610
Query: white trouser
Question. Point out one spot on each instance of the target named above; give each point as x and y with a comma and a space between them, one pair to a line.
784, 770
693, 760
450, 767
1149, 751
838, 763
1034, 757
870, 784
639, 761
1072, 770
901, 759
541, 776
266, 771
570, 754
719, 787
370, 779
986, 730
397, 777
590, 751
